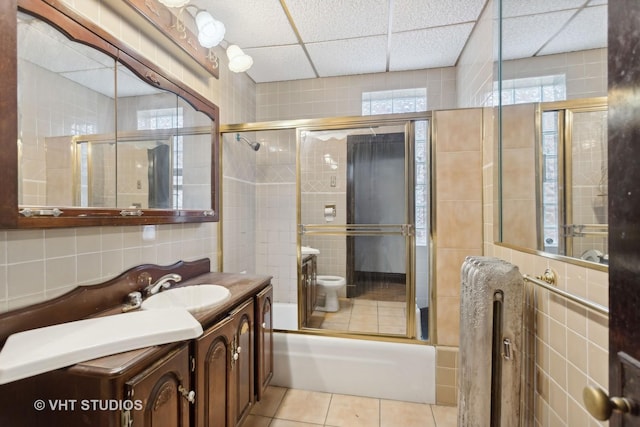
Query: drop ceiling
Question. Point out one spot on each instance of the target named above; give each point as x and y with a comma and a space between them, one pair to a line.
302, 39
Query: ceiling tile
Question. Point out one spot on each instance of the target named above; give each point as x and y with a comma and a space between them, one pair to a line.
323, 20
525, 35
418, 14
511, 8
588, 30
352, 56
251, 23
278, 63
434, 47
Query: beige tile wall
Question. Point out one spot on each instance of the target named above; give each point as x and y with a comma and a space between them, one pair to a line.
475, 68
458, 204
519, 175
446, 375
342, 96
585, 71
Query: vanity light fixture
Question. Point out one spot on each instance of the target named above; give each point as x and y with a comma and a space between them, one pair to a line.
210, 33
210, 30
239, 61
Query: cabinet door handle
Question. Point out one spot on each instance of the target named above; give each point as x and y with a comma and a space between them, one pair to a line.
264, 325
238, 349
190, 395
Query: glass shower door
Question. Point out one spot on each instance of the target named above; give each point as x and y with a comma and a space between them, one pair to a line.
355, 222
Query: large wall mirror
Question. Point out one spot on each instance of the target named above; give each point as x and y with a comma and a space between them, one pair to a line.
103, 138
552, 172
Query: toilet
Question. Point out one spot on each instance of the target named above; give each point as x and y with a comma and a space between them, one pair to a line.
331, 285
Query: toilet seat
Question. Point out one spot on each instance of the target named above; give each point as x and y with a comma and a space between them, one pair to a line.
331, 280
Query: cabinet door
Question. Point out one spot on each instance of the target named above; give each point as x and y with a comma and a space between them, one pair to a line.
163, 390
242, 362
213, 352
264, 335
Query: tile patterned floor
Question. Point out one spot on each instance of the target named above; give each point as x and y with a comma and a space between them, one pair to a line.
284, 407
363, 315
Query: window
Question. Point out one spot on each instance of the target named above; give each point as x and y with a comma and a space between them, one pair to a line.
394, 101
532, 89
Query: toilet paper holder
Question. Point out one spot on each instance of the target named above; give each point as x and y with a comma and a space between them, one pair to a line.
329, 213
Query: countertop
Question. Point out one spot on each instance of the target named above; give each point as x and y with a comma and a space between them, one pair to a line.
241, 286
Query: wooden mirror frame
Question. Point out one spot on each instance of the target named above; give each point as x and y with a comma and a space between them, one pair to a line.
83, 31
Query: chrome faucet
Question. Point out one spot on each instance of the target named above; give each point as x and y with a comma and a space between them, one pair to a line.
162, 283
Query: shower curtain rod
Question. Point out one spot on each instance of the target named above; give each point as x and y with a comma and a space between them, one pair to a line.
579, 300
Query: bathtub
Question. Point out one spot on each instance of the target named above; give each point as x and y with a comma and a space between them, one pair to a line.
357, 367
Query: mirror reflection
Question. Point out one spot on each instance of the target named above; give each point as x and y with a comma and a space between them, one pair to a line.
554, 172
93, 134
553, 129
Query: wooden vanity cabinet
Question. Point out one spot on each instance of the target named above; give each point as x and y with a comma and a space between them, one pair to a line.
163, 391
224, 370
211, 381
213, 353
309, 286
242, 364
264, 339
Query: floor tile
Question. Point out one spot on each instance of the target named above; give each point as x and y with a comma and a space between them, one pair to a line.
340, 326
406, 414
392, 321
304, 406
360, 310
394, 330
392, 304
287, 423
353, 411
445, 416
391, 311
364, 302
268, 406
256, 421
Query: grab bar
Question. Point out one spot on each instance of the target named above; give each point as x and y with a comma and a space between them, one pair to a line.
574, 298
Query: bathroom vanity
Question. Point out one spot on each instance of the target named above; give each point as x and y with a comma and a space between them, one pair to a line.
212, 380
308, 276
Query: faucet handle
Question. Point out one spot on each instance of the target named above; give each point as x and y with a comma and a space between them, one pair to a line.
134, 300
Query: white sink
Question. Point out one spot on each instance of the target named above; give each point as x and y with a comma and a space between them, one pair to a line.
40, 350
306, 250
192, 298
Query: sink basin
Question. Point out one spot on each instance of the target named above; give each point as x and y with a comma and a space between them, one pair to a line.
44, 349
306, 250
192, 298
